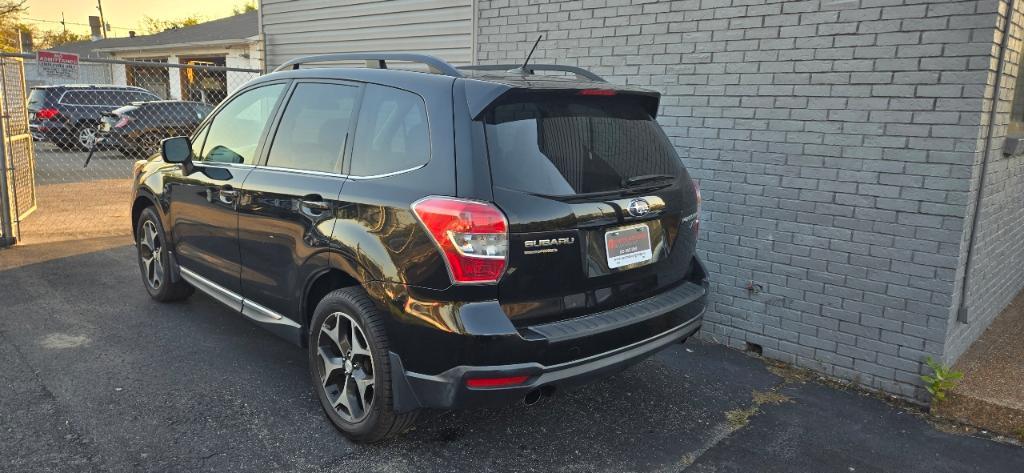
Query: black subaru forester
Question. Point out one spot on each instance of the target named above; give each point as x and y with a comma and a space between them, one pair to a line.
450, 239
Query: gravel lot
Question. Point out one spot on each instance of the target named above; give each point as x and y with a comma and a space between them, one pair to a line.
97, 377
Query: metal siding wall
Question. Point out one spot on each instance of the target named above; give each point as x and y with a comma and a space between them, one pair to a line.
300, 27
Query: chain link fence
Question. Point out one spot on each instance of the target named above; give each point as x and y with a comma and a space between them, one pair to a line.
75, 181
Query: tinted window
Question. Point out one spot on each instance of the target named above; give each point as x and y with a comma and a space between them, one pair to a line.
76, 97
235, 131
36, 98
314, 127
574, 145
122, 97
202, 109
391, 134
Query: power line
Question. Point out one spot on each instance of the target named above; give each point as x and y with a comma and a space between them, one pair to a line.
69, 23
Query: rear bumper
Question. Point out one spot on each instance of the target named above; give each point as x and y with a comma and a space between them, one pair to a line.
430, 367
49, 130
448, 390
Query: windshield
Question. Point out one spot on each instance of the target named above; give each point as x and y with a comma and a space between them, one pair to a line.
36, 98
568, 145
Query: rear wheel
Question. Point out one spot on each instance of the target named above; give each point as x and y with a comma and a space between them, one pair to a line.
350, 369
154, 260
85, 136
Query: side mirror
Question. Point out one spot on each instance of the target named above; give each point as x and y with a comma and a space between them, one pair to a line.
177, 150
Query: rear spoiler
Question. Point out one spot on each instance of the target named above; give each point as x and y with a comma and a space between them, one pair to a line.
481, 95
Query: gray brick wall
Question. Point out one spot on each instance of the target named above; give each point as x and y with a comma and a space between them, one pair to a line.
996, 268
836, 142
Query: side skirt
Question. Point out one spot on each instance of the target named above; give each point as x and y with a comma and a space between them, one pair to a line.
276, 323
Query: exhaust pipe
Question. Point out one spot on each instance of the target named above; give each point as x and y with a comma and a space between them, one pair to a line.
532, 397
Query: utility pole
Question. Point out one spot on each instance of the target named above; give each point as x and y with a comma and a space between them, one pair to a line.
63, 24
103, 20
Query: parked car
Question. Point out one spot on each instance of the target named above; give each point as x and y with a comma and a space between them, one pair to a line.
68, 115
136, 129
446, 240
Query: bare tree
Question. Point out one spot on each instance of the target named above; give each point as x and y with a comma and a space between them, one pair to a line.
10, 8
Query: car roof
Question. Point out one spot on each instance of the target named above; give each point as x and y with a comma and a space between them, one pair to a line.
509, 79
91, 86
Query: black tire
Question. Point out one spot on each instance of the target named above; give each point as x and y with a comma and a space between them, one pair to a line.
155, 266
379, 421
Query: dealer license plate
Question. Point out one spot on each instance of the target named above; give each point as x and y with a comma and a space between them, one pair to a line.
628, 245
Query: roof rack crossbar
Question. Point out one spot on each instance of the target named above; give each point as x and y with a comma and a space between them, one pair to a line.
531, 68
376, 61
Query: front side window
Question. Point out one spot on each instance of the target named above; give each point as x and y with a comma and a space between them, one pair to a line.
391, 134
314, 127
235, 132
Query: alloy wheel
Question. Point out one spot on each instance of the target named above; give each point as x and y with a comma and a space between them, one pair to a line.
151, 254
346, 367
87, 137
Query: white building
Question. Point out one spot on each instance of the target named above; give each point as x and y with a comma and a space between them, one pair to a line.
231, 42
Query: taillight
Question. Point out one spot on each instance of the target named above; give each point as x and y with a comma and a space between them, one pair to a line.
123, 121
696, 221
473, 236
47, 113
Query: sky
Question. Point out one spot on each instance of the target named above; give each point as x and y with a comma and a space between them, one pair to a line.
122, 15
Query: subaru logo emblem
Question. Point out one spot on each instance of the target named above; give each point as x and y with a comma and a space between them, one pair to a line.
639, 207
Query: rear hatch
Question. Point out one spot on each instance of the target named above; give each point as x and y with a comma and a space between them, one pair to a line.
601, 211
117, 118
36, 101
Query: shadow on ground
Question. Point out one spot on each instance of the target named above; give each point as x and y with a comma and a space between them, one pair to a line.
98, 377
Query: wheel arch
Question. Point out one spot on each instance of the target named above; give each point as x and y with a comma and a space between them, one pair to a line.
320, 284
141, 202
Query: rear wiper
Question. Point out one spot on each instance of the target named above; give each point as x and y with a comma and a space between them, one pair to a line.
646, 178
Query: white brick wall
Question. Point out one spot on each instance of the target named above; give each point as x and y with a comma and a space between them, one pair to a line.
835, 142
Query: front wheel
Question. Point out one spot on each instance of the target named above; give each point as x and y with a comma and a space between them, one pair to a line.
154, 260
350, 369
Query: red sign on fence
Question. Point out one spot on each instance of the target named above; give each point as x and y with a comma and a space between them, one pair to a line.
57, 65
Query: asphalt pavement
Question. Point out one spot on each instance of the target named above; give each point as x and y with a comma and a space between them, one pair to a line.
97, 377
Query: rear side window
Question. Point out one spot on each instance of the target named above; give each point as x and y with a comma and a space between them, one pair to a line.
77, 97
391, 134
36, 98
314, 127
568, 145
121, 97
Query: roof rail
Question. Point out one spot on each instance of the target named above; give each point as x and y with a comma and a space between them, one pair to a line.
376, 61
531, 68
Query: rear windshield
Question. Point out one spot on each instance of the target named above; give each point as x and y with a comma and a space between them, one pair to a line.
36, 98
568, 145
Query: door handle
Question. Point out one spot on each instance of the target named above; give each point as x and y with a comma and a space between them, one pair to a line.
227, 195
313, 204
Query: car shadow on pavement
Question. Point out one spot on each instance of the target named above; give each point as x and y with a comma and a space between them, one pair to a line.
102, 378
